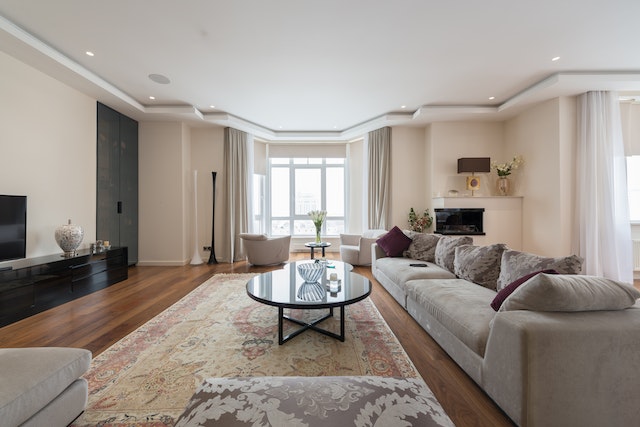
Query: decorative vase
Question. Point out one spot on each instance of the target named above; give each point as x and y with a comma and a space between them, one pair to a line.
318, 229
68, 237
503, 185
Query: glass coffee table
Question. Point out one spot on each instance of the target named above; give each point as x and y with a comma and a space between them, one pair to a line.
285, 288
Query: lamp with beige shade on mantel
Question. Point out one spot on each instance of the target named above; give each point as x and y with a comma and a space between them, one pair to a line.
473, 165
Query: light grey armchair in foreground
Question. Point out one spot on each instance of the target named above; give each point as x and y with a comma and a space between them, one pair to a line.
263, 250
355, 249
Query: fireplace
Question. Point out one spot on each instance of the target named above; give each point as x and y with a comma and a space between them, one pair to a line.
461, 221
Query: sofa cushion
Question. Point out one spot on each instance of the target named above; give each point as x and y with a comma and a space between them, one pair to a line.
445, 250
400, 271
516, 264
33, 377
479, 264
511, 287
423, 247
460, 306
550, 292
394, 243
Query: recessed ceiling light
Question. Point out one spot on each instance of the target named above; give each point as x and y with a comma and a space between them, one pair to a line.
160, 79
212, 106
403, 106
152, 97
491, 98
89, 53
555, 58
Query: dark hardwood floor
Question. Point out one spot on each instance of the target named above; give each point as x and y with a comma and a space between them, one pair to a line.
98, 320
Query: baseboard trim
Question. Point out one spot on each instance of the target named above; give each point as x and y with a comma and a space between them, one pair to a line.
162, 263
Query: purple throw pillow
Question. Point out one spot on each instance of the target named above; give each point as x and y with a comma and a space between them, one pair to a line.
511, 287
395, 242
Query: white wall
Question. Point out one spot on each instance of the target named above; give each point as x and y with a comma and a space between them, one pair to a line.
545, 136
163, 194
453, 140
48, 153
408, 174
207, 150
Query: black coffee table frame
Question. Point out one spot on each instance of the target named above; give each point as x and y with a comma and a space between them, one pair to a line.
282, 317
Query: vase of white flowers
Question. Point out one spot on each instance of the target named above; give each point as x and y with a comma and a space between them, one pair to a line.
318, 216
503, 184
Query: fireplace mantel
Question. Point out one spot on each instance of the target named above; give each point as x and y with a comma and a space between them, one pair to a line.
502, 217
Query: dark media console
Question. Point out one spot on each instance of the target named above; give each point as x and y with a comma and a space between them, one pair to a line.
38, 284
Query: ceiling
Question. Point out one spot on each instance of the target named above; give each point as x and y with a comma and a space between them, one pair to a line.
330, 69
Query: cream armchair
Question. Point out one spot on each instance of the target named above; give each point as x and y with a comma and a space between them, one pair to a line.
263, 250
355, 249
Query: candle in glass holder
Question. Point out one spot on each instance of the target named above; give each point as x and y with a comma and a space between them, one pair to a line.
333, 282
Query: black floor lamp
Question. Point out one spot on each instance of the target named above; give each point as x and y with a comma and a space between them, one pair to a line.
212, 255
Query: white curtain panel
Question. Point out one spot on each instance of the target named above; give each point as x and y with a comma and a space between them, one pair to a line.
238, 160
379, 161
603, 238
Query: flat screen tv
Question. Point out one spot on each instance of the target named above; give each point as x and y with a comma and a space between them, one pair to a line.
13, 227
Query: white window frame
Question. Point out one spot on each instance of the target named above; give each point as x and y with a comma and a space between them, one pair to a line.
292, 217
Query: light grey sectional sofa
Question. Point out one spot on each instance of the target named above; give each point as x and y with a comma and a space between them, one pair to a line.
563, 350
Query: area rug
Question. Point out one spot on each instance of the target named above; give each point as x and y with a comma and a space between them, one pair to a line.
147, 378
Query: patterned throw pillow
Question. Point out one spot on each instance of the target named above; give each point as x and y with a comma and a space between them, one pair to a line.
516, 264
479, 264
423, 247
445, 250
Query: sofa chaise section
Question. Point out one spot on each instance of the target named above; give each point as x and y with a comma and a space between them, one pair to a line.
565, 369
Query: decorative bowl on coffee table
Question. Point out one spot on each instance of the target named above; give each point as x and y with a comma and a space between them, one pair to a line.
311, 271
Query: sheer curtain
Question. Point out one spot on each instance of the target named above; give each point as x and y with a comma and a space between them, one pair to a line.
238, 154
378, 165
604, 236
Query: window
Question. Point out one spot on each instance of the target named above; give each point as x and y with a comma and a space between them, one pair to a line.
299, 185
633, 187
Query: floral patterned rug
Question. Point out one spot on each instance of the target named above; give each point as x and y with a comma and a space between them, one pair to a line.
147, 378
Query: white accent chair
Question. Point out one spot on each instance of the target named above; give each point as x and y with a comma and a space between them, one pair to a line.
263, 250
355, 249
